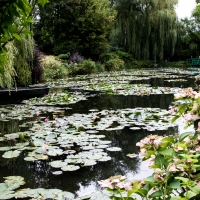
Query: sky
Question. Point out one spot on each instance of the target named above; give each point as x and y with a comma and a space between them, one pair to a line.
185, 7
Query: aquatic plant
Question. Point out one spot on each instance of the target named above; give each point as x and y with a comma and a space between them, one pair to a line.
175, 160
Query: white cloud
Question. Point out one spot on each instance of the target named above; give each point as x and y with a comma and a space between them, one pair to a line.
185, 7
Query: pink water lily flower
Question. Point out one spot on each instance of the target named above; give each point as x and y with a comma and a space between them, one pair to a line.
46, 120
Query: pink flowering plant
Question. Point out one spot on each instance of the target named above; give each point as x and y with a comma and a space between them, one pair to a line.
175, 160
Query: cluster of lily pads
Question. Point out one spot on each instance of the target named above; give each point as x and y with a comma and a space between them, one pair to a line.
63, 98
76, 136
10, 189
11, 183
129, 89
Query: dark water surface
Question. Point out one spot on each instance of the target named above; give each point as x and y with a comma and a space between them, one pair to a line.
39, 174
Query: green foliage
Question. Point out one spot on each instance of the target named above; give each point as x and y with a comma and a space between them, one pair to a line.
64, 56
146, 29
53, 68
114, 64
180, 64
190, 39
15, 20
100, 67
107, 56
81, 26
140, 64
85, 67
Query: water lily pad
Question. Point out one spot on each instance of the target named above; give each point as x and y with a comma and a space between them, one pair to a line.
57, 172
114, 149
57, 164
70, 168
5, 148
11, 154
105, 158
133, 155
30, 159
89, 163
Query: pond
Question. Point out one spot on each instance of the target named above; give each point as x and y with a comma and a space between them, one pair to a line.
89, 124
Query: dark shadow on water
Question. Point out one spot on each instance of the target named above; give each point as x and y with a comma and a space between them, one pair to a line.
39, 174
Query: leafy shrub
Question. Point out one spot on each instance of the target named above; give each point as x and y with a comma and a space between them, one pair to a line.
108, 56
114, 64
53, 68
140, 64
76, 58
86, 67
64, 56
100, 67
126, 57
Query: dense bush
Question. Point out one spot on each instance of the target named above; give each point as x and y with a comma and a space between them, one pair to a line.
141, 64
100, 67
53, 68
107, 56
86, 67
64, 56
114, 64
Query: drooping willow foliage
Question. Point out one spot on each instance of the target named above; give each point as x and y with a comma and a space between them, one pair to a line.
23, 59
17, 68
147, 28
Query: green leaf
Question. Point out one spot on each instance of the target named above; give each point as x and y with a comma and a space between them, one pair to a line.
156, 194
175, 184
182, 108
190, 194
140, 192
185, 180
167, 152
178, 198
183, 136
16, 36
149, 179
159, 160
174, 118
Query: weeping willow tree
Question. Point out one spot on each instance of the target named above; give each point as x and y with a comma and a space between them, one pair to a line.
147, 28
23, 59
17, 69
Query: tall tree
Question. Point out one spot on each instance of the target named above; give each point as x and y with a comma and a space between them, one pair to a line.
75, 25
190, 36
147, 28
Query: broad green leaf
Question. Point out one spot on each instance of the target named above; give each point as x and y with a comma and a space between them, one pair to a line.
159, 160
156, 194
168, 152
189, 194
175, 184
185, 180
140, 192
150, 179
11, 154
183, 136
16, 36
174, 118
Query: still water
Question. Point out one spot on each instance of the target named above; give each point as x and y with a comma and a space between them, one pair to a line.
84, 181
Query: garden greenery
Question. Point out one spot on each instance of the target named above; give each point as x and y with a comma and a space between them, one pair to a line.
174, 159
